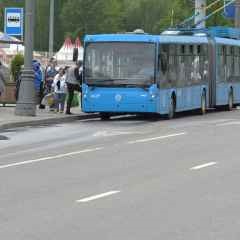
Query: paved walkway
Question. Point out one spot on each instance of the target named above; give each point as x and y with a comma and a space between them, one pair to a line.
9, 120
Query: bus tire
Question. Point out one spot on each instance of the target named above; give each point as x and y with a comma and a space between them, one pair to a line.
203, 109
172, 108
104, 116
230, 101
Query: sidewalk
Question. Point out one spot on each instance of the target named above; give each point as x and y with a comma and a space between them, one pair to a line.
9, 120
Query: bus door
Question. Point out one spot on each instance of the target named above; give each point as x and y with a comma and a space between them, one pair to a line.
212, 72
187, 91
181, 76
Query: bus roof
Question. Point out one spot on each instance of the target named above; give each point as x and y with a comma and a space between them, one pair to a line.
164, 39
145, 38
226, 41
182, 39
121, 38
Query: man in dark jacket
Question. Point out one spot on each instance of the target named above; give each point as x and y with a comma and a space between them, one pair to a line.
74, 81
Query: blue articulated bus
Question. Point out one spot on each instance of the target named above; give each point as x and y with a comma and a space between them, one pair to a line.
164, 74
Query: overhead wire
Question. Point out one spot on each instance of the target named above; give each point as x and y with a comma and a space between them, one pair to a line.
205, 8
213, 13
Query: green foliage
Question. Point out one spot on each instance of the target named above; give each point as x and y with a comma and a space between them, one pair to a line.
218, 19
79, 17
16, 64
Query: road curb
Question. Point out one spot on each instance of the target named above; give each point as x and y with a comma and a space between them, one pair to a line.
48, 121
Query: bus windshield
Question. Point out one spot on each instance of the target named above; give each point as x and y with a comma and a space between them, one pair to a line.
119, 64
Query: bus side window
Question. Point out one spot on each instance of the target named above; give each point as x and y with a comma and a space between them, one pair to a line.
232, 62
236, 62
195, 74
229, 62
172, 65
182, 65
179, 66
205, 62
223, 63
201, 61
188, 62
163, 64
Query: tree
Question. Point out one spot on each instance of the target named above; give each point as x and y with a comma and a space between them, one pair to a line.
155, 16
16, 65
42, 25
79, 17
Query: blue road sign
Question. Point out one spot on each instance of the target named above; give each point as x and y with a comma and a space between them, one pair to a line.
13, 25
229, 11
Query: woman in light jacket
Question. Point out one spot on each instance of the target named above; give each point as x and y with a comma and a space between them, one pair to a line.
60, 88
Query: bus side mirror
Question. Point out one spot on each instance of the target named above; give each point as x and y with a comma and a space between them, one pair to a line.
75, 54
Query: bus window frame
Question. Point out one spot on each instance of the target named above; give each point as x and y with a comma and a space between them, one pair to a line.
154, 43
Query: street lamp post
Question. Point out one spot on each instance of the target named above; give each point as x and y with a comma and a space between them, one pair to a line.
200, 12
237, 14
26, 104
51, 28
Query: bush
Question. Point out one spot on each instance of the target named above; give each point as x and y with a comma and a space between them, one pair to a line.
16, 64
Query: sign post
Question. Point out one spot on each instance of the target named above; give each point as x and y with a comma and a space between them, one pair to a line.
200, 12
13, 25
237, 14
229, 9
26, 104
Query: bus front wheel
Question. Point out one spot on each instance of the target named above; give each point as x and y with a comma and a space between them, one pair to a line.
104, 116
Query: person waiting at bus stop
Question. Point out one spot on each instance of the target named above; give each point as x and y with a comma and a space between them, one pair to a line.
50, 73
73, 80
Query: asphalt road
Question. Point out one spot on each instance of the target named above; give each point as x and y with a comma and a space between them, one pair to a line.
128, 178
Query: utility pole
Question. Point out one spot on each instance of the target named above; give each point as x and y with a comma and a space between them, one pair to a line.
26, 104
237, 14
200, 12
51, 28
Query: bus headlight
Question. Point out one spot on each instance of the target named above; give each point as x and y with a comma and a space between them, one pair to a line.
153, 96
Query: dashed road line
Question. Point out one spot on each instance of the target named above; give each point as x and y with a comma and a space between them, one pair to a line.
228, 124
113, 133
49, 158
157, 138
203, 166
95, 197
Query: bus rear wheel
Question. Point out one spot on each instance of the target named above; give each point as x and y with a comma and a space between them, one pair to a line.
203, 109
104, 116
230, 101
172, 108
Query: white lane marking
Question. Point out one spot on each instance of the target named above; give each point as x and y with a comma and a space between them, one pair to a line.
157, 138
220, 121
203, 166
112, 133
228, 124
95, 197
200, 123
49, 158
